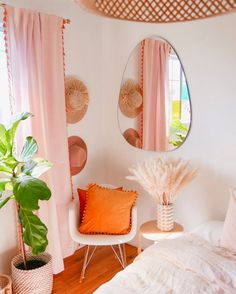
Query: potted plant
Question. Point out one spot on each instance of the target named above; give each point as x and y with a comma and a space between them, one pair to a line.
19, 182
163, 179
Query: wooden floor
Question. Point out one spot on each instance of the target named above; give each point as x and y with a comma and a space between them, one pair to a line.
103, 266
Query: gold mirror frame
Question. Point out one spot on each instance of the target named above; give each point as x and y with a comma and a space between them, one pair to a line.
158, 11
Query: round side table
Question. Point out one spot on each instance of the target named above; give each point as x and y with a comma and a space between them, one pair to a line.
150, 231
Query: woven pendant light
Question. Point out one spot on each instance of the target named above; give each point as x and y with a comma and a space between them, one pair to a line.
158, 11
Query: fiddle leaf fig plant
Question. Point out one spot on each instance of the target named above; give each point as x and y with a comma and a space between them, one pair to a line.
19, 182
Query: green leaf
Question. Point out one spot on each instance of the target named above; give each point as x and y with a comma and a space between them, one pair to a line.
5, 168
3, 149
28, 166
3, 134
28, 191
11, 130
3, 183
36, 167
9, 186
29, 150
8, 164
41, 167
34, 231
10, 161
3, 140
178, 125
4, 201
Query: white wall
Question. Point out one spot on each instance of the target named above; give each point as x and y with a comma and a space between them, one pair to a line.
207, 49
96, 51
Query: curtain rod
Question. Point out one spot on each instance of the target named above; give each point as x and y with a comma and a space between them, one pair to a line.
66, 20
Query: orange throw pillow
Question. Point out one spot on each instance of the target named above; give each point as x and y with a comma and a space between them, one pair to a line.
82, 200
107, 211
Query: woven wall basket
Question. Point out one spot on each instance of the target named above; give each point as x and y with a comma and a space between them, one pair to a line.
5, 284
34, 281
158, 11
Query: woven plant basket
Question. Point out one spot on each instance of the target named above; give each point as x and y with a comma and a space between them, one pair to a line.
165, 217
34, 281
5, 284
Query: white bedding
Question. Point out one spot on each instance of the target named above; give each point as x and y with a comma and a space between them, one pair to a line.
185, 265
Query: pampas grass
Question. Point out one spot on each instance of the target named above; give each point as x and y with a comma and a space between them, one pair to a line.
163, 178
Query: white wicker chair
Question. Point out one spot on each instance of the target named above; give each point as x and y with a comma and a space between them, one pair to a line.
99, 240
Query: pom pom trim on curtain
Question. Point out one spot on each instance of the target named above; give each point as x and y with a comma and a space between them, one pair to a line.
36, 66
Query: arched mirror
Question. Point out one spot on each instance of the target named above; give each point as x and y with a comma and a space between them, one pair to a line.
154, 109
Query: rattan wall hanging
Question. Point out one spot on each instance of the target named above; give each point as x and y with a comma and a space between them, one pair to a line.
158, 11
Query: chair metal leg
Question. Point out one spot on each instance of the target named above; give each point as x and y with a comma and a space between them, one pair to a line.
124, 254
84, 265
86, 261
122, 257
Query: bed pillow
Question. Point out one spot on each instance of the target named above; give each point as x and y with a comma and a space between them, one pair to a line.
210, 231
228, 239
82, 200
107, 211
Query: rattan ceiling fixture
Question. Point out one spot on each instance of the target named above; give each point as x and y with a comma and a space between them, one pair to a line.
158, 11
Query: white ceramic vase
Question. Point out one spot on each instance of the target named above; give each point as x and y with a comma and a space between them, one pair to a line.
165, 217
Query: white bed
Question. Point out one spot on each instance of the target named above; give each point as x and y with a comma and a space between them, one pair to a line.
192, 263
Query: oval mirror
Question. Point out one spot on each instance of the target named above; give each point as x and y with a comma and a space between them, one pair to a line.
154, 109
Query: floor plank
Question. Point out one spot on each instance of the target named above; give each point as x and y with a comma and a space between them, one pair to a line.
103, 266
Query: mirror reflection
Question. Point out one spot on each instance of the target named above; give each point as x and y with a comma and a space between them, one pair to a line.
154, 109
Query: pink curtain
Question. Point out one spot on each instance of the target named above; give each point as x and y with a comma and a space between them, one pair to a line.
36, 68
154, 95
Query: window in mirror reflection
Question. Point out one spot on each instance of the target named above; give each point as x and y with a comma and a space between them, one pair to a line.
179, 100
159, 120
